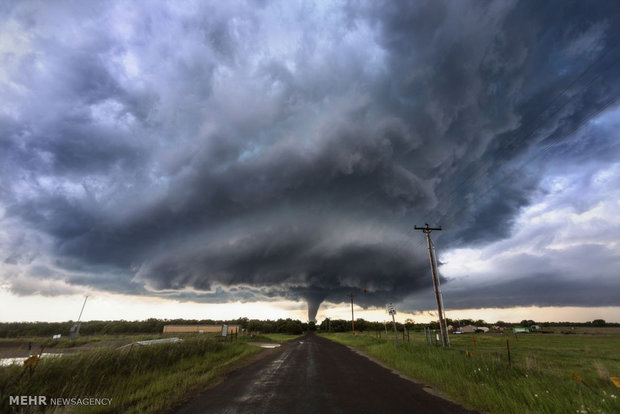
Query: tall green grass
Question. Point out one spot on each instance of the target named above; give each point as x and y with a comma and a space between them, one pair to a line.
138, 379
538, 381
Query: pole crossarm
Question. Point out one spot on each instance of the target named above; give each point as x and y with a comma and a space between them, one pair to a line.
426, 228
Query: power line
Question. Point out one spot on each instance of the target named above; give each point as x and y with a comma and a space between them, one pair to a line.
530, 132
547, 147
536, 127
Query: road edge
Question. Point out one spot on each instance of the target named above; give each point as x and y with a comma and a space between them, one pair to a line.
427, 388
233, 368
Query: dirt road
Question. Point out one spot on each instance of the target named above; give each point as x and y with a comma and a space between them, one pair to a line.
315, 375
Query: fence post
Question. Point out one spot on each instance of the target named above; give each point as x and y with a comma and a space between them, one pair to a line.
508, 347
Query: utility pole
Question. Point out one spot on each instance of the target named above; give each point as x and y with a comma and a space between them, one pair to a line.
437, 287
82, 310
352, 317
75, 329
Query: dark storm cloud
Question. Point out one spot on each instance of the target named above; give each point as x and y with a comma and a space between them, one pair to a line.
255, 151
584, 275
294, 261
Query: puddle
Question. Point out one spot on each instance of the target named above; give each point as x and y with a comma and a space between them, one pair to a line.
266, 345
152, 342
9, 361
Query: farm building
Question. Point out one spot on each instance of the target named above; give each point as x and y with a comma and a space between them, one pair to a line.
213, 329
473, 329
518, 329
468, 329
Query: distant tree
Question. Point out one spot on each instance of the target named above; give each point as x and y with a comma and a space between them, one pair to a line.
255, 325
361, 325
242, 322
598, 322
324, 326
433, 325
340, 325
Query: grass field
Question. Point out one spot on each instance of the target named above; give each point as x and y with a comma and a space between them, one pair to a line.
19, 346
12, 347
539, 380
140, 379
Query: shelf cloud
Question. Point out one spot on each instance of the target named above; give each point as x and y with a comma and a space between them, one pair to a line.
262, 150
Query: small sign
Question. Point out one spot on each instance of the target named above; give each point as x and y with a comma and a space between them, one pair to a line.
390, 309
57, 336
224, 330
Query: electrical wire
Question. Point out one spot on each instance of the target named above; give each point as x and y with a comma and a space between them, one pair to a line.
531, 131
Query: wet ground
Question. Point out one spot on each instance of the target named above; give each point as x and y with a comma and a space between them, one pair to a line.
314, 375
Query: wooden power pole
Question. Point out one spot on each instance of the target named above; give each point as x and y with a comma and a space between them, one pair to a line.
352, 317
437, 287
75, 329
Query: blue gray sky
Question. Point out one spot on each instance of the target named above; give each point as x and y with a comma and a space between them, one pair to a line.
266, 151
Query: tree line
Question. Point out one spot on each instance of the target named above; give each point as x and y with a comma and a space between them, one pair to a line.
151, 326
341, 325
289, 326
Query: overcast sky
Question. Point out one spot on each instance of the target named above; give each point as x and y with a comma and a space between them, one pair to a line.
277, 151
